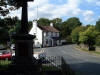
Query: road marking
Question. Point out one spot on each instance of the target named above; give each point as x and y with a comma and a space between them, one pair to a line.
42, 51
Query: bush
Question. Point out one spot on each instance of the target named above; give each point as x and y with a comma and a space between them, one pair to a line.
91, 49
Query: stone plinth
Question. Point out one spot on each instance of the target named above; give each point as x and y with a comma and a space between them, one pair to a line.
24, 60
24, 48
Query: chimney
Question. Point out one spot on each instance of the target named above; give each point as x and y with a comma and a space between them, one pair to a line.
35, 25
51, 24
34, 28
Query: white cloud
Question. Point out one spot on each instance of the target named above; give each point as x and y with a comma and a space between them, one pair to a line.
94, 2
70, 8
98, 3
74, 3
88, 16
88, 13
48, 10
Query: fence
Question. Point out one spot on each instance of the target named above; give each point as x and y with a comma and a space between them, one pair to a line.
52, 65
56, 65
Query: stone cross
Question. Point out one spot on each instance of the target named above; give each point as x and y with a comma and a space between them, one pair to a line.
24, 60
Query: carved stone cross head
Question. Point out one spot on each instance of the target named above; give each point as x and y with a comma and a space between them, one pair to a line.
20, 2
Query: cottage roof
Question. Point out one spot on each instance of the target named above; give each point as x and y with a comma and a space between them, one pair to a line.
48, 28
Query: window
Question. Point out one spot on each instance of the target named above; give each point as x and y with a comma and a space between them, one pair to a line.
46, 33
57, 34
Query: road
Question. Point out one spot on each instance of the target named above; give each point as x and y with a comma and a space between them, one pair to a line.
81, 62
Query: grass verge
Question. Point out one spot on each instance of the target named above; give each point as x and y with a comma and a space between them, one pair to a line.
85, 50
4, 64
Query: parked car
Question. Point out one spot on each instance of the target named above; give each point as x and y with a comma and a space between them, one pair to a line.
5, 55
0, 54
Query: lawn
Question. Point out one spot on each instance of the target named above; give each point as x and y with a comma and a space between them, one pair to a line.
4, 64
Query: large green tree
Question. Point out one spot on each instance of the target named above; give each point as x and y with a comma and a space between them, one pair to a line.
44, 22
72, 23
7, 26
3, 31
75, 33
64, 30
88, 37
68, 25
14, 26
57, 22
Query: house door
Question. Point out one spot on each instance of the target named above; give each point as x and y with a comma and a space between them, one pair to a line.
50, 42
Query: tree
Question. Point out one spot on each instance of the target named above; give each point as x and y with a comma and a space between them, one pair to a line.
16, 3
88, 37
69, 39
3, 8
98, 25
57, 22
68, 25
3, 31
72, 23
64, 30
8, 26
75, 33
46, 22
16, 25
43, 22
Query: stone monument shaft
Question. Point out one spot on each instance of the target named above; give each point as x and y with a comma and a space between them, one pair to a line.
24, 21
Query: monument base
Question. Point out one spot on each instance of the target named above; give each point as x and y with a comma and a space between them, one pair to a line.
24, 69
24, 63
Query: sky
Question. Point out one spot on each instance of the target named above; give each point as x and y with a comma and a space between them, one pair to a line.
88, 11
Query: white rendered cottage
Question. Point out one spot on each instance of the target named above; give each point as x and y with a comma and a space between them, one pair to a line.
45, 35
